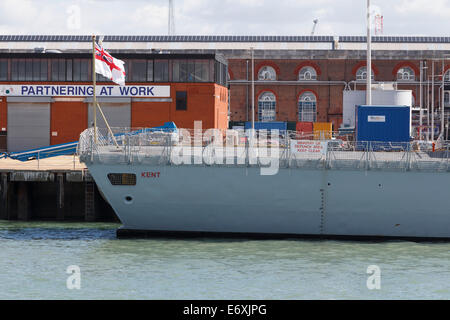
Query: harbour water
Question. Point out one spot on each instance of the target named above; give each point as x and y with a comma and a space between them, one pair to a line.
34, 257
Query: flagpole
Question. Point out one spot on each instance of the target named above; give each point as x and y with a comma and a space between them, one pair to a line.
94, 85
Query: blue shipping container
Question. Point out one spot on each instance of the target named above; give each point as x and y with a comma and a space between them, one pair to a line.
282, 126
383, 123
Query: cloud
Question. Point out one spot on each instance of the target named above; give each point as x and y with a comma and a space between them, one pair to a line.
224, 17
424, 8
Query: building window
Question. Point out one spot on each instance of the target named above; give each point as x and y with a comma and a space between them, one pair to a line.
267, 104
69, 69
138, 71
24, 69
267, 73
307, 74
3, 69
405, 74
201, 71
18, 70
220, 73
80, 70
179, 70
150, 70
28, 69
190, 71
361, 74
447, 76
58, 69
447, 98
307, 107
161, 71
181, 101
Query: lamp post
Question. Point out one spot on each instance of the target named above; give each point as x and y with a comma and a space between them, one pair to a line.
253, 90
422, 68
369, 59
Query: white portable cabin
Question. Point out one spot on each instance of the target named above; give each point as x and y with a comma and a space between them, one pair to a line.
353, 98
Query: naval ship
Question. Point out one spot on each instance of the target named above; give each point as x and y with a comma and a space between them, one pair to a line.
162, 183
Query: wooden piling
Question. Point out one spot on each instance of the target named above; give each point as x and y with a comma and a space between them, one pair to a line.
23, 201
60, 197
4, 196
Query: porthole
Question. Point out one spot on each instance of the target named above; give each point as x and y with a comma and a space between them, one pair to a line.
128, 199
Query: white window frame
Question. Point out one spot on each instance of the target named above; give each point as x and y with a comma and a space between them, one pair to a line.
446, 98
307, 107
447, 76
361, 74
307, 70
267, 106
267, 70
406, 74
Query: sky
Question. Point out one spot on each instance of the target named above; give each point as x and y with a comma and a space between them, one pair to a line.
222, 17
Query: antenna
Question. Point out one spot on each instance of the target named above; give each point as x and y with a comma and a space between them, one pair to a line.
315, 21
171, 23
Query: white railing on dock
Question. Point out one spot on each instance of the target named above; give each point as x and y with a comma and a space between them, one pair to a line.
235, 147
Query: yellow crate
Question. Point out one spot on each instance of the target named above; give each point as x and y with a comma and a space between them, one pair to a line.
323, 130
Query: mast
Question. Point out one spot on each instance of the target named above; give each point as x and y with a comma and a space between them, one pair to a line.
420, 101
94, 85
253, 90
428, 105
432, 101
442, 101
369, 59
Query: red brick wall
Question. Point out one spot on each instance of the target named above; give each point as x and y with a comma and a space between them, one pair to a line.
329, 103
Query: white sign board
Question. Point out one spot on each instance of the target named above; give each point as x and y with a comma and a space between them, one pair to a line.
376, 118
44, 90
309, 146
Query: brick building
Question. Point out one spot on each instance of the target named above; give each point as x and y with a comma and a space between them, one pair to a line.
307, 84
46, 91
297, 78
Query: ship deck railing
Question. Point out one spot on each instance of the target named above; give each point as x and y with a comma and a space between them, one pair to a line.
237, 148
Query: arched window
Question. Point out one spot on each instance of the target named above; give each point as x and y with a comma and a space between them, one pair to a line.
307, 73
267, 73
406, 74
447, 76
267, 104
361, 74
307, 107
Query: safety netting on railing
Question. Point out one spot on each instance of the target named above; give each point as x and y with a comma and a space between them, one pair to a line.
288, 149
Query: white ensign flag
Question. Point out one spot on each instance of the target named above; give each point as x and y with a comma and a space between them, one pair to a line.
108, 66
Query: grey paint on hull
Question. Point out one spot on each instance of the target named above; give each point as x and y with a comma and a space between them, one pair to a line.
295, 201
